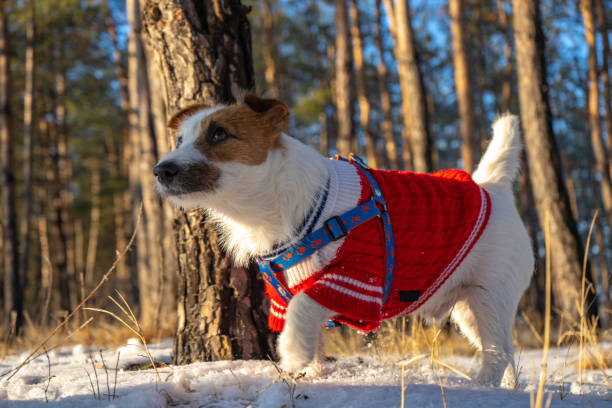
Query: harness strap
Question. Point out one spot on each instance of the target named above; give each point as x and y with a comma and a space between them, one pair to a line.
389, 243
333, 229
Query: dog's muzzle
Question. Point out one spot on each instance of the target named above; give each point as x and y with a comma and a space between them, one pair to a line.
165, 172
176, 178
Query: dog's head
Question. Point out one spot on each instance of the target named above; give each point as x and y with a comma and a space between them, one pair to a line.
212, 142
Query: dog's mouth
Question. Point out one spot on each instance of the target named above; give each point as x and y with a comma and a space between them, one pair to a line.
174, 180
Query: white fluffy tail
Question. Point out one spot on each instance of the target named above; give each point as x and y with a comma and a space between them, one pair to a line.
500, 162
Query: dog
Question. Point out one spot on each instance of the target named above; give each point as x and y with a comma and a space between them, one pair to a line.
267, 190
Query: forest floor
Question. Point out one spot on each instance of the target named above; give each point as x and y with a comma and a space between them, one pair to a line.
67, 379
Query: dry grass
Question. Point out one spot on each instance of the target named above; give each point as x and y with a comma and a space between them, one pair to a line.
99, 332
401, 337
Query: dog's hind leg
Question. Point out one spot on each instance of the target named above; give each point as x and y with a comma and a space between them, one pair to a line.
483, 319
299, 340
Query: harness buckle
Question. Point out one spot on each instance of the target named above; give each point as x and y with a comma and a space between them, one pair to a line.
330, 228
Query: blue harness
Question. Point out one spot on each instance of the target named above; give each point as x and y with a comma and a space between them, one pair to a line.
333, 229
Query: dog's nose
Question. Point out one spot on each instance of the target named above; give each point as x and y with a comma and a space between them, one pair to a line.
166, 171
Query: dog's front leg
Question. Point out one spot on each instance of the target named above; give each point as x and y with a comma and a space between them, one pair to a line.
303, 323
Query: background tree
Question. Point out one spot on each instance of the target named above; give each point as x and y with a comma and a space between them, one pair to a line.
13, 301
542, 153
343, 82
463, 83
414, 105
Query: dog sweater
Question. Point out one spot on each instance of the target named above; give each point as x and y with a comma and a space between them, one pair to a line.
436, 220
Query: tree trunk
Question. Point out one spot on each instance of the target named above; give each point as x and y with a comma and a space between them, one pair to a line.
79, 253
597, 142
323, 134
62, 200
344, 107
362, 86
385, 97
154, 285
507, 82
414, 104
164, 144
94, 225
606, 309
463, 84
123, 280
203, 53
269, 49
13, 295
544, 163
533, 301
605, 75
46, 269
42, 208
28, 136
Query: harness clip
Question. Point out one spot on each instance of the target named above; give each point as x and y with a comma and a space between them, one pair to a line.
330, 228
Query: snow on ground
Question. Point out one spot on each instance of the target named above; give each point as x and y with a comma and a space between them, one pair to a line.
348, 382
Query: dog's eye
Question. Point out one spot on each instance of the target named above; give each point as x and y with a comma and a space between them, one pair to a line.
179, 140
218, 135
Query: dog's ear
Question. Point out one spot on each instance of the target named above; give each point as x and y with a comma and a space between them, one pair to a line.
275, 111
175, 121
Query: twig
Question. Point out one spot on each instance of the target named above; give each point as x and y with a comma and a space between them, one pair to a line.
108, 394
93, 391
96, 374
48, 376
116, 372
289, 380
76, 309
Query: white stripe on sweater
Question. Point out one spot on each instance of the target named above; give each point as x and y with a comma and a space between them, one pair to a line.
277, 314
278, 305
353, 282
352, 293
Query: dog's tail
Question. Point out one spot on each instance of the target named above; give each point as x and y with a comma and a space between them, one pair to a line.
500, 162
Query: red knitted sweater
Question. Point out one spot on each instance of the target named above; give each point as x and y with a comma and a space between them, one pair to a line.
436, 220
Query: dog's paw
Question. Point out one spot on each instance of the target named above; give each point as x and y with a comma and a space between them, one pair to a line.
293, 366
315, 369
295, 354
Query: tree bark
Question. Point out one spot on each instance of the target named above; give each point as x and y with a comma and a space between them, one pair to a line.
507, 82
605, 311
28, 140
597, 142
94, 224
543, 157
362, 87
62, 199
117, 167
385, 97
269, 49
42, 209
46, 269
414, 104
344, 107
203, 52
164, 144
13, 294
153, 281
323, 134
605, 75
463, 84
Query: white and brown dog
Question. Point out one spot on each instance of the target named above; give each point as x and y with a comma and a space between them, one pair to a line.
267, 190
